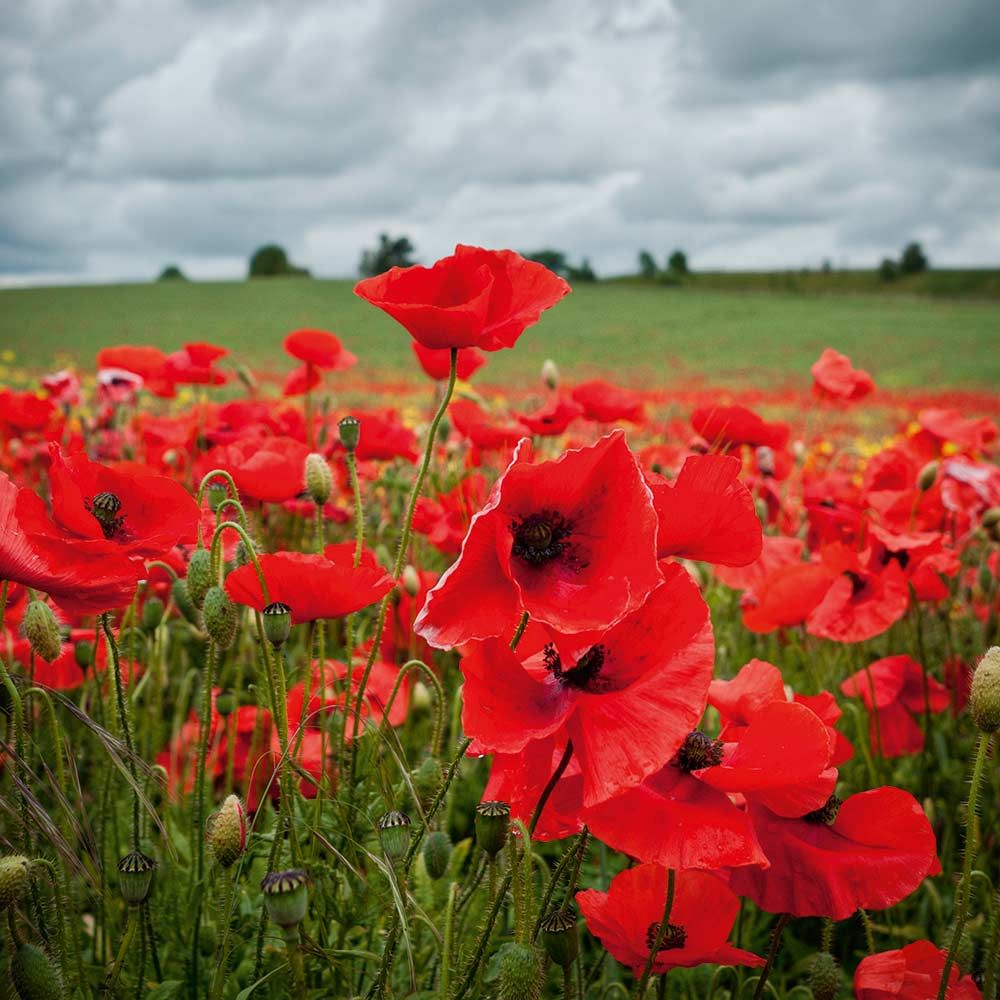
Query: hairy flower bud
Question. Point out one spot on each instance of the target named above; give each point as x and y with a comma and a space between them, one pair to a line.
226, 703
216, 494
243, 553
152, 614
349, 429
519, 975
286, 896
35, 975
437, 853
277, 623
135, 877
824, 977
83, 653
926, 476
13, 879
411, 580
319, 479
550, 373
427, 780
182, 598
199, 576
394, 833
220, 617
560, 937
227, 831
42, 631
984, 696
492, 826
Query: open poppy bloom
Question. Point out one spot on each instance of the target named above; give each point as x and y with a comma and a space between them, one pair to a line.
627, 697
729, 427
149, 363
971, 435
627, 919
553, 418
194, 364
313, 586
484, 430
910, 973
606, 403
834, 377
570, 541
264, 468
437, 364
474, 298
320, 349
869, 852
445, 520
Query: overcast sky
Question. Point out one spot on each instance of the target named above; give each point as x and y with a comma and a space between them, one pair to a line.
752, 133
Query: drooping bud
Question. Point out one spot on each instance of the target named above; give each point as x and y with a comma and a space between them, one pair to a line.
319, 479
824, 977
926, 476
243, 553
286, 896
226, 703
227, 832
220, 617
519, 976
42, 631
152, 614
550, 373
984, 696
216, 494
182, 598
277, 623
560, 937
427, 780
349, 429
35, 975
13, 879
437, 853
394, 833
135, 877
199, 576
492, 826
83, 653
411, 580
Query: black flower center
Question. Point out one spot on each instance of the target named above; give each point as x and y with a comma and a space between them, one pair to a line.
827, 813
698, 750
540, 538
105, 508
583, 674
674, 937
858, 583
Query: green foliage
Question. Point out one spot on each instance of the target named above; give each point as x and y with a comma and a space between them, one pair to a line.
172, 273
271, 261
647, 264
913, 259
390, 252
554, 260
677, 262
888, 270
583, 273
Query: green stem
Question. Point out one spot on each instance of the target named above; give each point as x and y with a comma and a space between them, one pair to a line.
661, 933
547, 791
772, 954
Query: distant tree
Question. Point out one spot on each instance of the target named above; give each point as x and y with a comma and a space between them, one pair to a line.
677, 262
171, 273
554, 260
271, 261
390, 252
583, 273
647, 264
913, 260
888, 270
827, 266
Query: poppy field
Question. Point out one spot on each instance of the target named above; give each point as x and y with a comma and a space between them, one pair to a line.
573, 688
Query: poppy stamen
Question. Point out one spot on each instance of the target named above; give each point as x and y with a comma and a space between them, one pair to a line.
826, 814
105, 507
698, 750
583, 673
674, 937
540, 538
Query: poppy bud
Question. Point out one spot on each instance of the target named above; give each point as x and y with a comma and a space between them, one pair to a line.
427, 780
286, 896
437, 853
247, 378
277, 623
135, 877
42, 631
226, 703
243, 554
519, 973
216, 494
83, 653
394, 833
152, 614
411, 580
926, 476
984, 696
760, 506
349, 429
991, 517
560, 937
35, 975
550, 373
227, 832
824, 977
13, 879
765, 460
492, 826
171, 457
220, 617
199, 576
319, 479
985, 578
179, 592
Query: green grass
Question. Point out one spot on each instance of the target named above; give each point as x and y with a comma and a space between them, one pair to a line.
634, 333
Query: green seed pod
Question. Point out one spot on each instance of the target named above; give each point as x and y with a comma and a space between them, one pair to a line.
286, 896
13, 879
42, 631
135, 877
199, 575
824, 977
349, 429
220, 617
984, 697
492, 826
35, 975
319, 479
427, 780
520, 973
152, 614
277, 623
227, 832
226, 703
926, 476
83, 653
394, 833
182, 598
560, 937
437, 853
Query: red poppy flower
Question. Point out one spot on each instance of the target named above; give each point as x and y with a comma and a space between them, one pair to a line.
553, 418
474, 298
270, 469
776, 551
319, 348
150, 363
63, 387
707, 513
834, 377
399, 641
627, 918
571, 541
910, 973
877, 851
731, 426
607, 404
445, 521
483, 430
186, 368
922, 556
437, 364
627, 698
786, 597
117, 386
313, 586
949, 425
898, 686
384, 437
24, 411
301, 380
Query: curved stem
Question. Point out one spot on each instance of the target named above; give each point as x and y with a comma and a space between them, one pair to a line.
661, 933
547, 790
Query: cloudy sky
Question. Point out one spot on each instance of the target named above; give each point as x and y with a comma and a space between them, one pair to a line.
753, 133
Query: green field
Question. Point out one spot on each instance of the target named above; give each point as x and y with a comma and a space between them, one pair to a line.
636, 333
